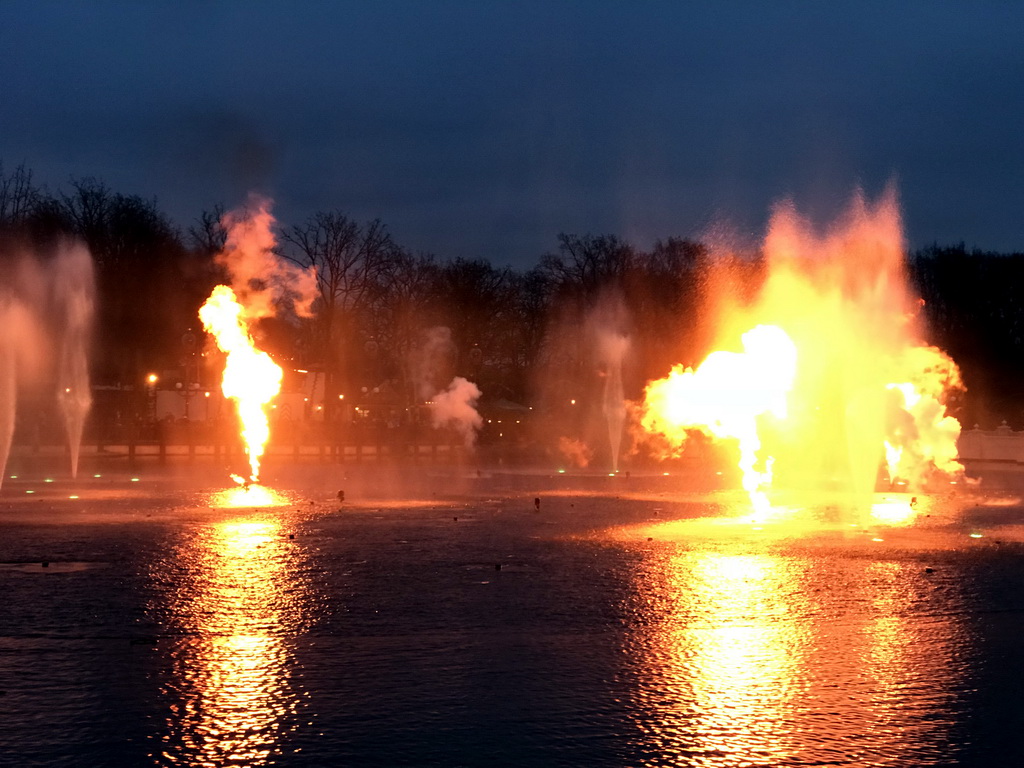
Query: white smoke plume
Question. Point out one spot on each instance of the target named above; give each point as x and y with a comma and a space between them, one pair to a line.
455, 407
433, 362
576, 452
262, 280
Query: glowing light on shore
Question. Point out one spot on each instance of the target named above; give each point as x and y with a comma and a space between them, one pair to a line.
251, 378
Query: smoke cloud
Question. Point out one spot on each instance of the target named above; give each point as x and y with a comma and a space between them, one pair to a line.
452, 405
433, 362
455, 407
262, 280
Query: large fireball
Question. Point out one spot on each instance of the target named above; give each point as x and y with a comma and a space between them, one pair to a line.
834, 379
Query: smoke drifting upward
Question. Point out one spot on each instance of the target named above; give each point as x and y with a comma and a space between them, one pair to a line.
433, 362
455, 407
47, 306
262, 280
576, 452
838, 352
452, 405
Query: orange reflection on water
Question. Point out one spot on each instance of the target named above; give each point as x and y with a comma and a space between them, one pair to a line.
232, 674
723, 664
768, 659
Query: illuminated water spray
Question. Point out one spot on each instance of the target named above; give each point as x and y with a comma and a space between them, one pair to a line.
612, 348
251, 378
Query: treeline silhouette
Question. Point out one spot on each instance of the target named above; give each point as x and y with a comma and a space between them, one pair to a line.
525, 336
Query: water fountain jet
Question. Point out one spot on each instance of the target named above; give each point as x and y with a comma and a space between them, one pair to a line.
612, 348
47, 306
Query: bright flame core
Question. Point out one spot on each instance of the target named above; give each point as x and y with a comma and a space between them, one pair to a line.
251, 378
725, 397
833, 379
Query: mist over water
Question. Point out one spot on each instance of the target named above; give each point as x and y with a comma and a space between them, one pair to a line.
47, 310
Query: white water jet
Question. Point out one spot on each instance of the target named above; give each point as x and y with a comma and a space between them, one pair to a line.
74, 294
47, 307
612, 348
8, 389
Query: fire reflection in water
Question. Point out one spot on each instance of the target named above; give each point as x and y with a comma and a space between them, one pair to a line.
762, 659
232, 693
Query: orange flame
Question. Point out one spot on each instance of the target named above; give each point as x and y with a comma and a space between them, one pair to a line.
852, 386
251, 378
725, 397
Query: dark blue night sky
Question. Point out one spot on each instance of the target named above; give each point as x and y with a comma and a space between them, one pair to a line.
482, 129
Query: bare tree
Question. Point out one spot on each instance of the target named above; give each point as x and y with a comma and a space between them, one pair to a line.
351, 260
18, 196
405, 304
148, 299
585, 264
207, 236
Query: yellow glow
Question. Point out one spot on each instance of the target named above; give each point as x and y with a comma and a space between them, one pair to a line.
251, 378
893, 511
152, 378
253, 496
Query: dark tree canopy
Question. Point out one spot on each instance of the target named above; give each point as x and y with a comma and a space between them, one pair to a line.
526, 336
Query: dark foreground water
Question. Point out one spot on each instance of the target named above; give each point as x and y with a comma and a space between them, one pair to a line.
441, 619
